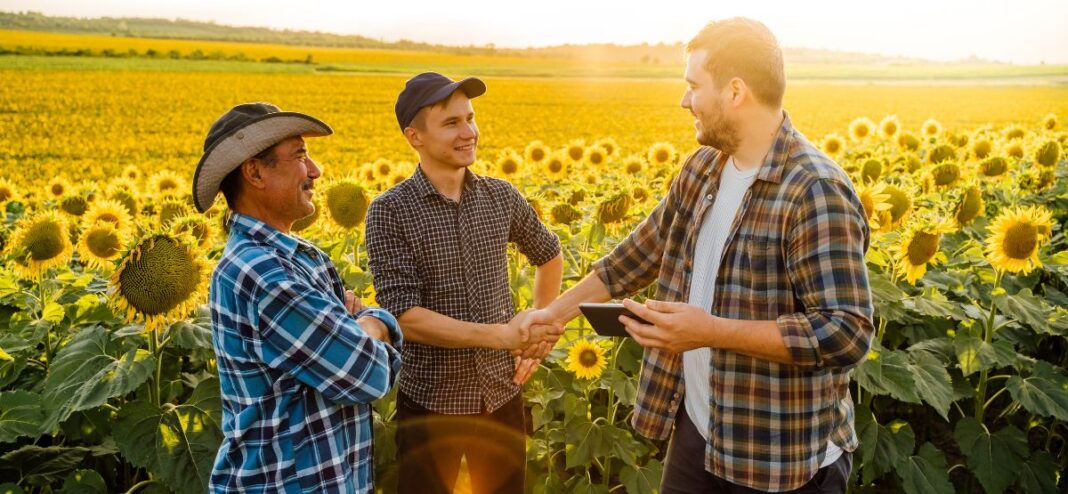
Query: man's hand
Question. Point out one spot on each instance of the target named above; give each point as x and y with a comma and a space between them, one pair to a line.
524, 368
675, 327
375, 328
352, 303
530, 340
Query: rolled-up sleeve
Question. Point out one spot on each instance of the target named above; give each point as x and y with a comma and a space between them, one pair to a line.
534, 239
825, 263
391, 260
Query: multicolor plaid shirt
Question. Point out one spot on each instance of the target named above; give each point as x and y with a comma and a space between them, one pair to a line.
451, 257
297, 373
795, 255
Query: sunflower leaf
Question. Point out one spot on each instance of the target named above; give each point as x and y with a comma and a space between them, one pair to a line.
84, 482
176, 443
1039, 474
993, 458
881, 448
925, 472
1044, 392
91, 369
933, 383
1027, 309
21, 414
42, 466
887, 372
642, 478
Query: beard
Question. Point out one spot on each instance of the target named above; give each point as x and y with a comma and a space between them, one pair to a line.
718, 132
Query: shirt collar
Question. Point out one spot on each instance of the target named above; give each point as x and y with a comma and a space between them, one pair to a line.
422, 183
772, 169
266, 234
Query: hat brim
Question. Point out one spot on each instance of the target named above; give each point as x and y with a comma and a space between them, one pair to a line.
473, 87
245, 142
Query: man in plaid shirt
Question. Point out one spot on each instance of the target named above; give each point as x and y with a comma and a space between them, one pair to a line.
299, 358
762, 305
438, 246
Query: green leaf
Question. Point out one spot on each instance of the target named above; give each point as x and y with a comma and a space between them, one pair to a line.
53, 313
622, 385
881, 448
642, 479
587, 437
84, 482
925, 473
887, 297
1027, 309
192, 334
933, 383
91, 369
1039, 474
176, 443
888, 372
9, 488
933, 303
21, 414
975, 355
582, 483
995, 458
40, 466
1044, 392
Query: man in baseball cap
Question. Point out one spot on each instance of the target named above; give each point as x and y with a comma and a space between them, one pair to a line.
438, 249
300, 359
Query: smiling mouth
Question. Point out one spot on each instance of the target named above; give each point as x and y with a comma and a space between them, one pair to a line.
466, 147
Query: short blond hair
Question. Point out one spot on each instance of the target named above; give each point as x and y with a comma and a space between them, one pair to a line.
746, 49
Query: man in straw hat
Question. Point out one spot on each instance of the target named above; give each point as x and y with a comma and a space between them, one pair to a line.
299, 358
438, 248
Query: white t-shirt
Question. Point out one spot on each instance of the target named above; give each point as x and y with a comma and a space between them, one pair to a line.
711, 240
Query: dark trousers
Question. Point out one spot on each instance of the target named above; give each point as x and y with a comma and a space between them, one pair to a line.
430, 446
684, 468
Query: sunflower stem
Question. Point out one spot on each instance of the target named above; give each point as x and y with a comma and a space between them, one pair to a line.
988, 336
154, 347
43, 301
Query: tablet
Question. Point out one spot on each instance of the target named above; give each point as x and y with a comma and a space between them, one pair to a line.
605, 318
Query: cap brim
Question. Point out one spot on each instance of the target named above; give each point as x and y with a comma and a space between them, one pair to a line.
473, 87
245, 142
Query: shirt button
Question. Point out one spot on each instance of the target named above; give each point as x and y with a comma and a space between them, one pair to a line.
676, 396
708, 197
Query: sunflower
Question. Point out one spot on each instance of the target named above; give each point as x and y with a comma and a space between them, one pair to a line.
596, 156
970, 206
38, 244
832, 144
614, 209
196, 225
577, 197
946, 174
128, 199
564, 214
1035, 179
347, 202
1048, 153
131, 172
889, 127
1014, 133
57, 187
555, 165
918, 247
74, 204
661, 154
633, 165
640, 194
610, 146
1015, 237
536, 152
875, 201
861, 129
166, 183
108, 211
982, 148
871, 170
940, 153
170, 209
931, 128
1014, 149
575, 151
509, 164
159, 280
908, 141
586, 360
100, 245
1049, 122
7, 193
993, 167
900, 206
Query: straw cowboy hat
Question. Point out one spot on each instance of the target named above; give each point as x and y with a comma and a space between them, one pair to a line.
241, 133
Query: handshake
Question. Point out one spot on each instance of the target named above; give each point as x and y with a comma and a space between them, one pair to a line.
532, 333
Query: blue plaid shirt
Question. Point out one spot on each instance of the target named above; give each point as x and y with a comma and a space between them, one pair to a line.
297, 373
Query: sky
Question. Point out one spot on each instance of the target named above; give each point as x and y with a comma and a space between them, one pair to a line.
1019, 31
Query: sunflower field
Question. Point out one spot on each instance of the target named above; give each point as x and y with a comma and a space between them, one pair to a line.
107, 375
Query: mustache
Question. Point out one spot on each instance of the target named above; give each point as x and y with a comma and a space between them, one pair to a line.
307, 185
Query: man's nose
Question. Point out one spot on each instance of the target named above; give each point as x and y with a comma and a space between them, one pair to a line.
313, 169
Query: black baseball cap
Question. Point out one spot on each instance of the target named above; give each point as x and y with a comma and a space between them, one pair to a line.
429, 88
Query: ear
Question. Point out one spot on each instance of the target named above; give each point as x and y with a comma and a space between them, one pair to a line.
415, 140
737, 91
251, 171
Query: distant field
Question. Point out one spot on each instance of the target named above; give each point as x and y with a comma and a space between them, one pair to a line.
406, 62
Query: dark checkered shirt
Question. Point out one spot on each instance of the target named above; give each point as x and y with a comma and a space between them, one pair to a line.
452, 258
795, 254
